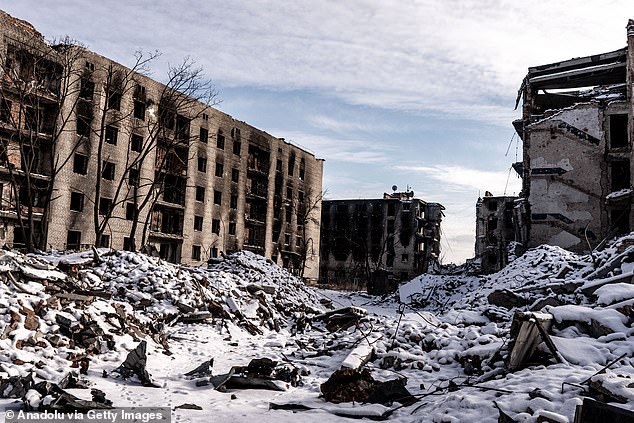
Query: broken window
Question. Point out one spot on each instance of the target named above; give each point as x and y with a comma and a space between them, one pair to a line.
73, 240
237, 146
205, 116
404, 258
114, 100
198, 223
196, 250
291, 164
234, 201
127, 243
278, 165
220, 140
235, 175
620, 175
214, 252
105, 206
289, 193
618, 131
302, 169
108, 171
289, 214
105, 241
493, 224
389, 260
80, 164
298, 241
287, 239
220, 169
182, 127
130, 211
136, 143
406, 206
215, 226
87, 88
200, 193
202, 164
76, 201
133, 177
620, 221
391, 209
139, 109
218, 197
232, 228
204, 135
111, 135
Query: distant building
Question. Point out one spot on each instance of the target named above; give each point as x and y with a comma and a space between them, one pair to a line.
375, 243
576, 128
214, 184
495, 229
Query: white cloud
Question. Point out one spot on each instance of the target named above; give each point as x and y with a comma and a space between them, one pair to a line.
455, 178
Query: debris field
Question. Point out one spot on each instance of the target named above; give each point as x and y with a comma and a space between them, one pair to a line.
244, 339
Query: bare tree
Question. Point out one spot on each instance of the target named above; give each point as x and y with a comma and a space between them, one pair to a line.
38, 93
186, 96
308, 209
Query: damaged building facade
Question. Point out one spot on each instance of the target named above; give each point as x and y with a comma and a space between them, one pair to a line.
374, 243
496, 228
95, 153
576, 129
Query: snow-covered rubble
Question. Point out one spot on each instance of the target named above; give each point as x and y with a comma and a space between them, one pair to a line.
445, 339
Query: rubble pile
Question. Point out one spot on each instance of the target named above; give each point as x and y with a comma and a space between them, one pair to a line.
54, 320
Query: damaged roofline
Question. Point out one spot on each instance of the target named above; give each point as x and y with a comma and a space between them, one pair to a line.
579, 63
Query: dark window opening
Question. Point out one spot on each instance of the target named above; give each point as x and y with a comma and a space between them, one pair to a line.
76, 201
80, 164
105, 241
202, 164
220, 140
87, 88
139, 109
218, 197
302, 169
196, 250
215, 226
220, 170
232, 228
492, 205
114, 100
108, 171
278, 165
127, 243
214, 252
105, 206
204, 135
493, 224
200, 194
618, 131
234, 201
237, 146
133, 177
111, 135
620, 221
291, 164
235, 175
73, 240
130, 211
136, 143
620, 175
198, 223
83, 125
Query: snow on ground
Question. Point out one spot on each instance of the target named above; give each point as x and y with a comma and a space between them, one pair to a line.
447, 334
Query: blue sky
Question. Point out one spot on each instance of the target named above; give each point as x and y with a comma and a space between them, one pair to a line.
417, 93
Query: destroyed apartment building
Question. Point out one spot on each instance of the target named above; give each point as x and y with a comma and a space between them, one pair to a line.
96, 153
577, 157
374, 243
496, 228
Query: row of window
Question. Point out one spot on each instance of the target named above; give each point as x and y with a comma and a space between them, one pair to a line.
215, 226
220, 169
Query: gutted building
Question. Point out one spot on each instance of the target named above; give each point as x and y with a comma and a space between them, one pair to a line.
374, 243
496, 228
96, 153
576, 129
